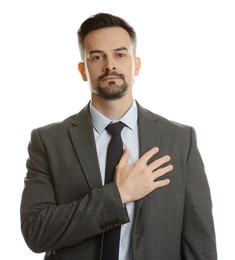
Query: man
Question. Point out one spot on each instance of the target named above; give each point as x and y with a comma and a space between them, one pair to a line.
159, 196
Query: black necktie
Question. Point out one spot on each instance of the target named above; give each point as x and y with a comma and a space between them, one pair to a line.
111, 239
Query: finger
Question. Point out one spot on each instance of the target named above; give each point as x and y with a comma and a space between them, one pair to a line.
150, 153
161, 171
124, 158
162, 183
159, 162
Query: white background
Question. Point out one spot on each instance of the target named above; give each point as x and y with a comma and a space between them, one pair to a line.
188, 75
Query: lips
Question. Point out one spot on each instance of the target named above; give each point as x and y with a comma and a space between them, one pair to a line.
110, 78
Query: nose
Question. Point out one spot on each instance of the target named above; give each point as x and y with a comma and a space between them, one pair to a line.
109, 65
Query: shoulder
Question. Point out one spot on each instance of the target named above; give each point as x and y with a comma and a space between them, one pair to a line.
56, 128
166, 124
171, 132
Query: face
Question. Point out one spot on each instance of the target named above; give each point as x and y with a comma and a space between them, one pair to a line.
109, 62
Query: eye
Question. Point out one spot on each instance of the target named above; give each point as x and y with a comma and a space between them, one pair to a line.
97, 58
120, 55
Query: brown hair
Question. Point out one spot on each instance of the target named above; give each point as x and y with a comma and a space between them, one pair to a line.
103, 20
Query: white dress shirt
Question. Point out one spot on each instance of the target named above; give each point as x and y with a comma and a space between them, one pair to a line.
130, 140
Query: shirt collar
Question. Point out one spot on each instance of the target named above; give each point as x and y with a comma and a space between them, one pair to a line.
100, 121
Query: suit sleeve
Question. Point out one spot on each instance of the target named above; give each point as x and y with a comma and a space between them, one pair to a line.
47, 226
198, 235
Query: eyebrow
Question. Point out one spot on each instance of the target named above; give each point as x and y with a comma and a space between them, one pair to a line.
121, 49
117, 49
95, 51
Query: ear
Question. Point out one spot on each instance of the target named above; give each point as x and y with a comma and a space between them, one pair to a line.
137, 65
81, 68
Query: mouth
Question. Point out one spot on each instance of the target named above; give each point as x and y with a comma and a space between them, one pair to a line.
110, 78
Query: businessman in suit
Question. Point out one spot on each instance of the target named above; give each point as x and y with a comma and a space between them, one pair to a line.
159, 196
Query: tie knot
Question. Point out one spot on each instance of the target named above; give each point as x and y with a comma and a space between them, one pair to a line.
115, 128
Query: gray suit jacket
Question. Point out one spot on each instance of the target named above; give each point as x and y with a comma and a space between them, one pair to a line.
65, 209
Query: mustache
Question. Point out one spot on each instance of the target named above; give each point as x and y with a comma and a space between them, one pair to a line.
107, 73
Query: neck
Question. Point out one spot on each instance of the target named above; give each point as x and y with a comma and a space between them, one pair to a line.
113, 109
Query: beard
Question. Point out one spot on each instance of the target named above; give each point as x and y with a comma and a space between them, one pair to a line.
112, 91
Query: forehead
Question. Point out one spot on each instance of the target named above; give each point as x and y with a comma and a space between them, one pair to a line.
107, 39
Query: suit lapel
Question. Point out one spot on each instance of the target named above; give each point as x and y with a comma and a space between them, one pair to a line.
149, 131
149, 137
82, 137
